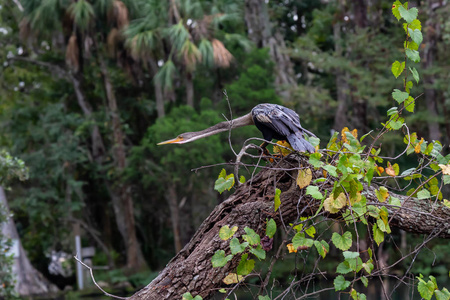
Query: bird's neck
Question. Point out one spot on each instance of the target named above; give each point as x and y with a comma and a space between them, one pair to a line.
224, 126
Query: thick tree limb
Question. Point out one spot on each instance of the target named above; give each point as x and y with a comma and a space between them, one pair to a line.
191, 270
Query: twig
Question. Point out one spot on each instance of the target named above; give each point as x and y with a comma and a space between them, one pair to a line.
95, 282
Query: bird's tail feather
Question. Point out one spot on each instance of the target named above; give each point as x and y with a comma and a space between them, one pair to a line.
299, 143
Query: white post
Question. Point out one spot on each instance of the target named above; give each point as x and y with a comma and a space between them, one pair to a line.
80, 257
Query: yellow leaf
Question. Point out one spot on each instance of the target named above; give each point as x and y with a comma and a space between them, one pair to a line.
390, 170
417, 147
445, 169
334, 205
283, 151
380, 170
291, 248
356, 199
447, 203
382, 194
304, 178
325, 173
355, 133
343, 136
232, 278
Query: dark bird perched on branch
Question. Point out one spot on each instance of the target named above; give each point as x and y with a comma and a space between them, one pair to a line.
274, 121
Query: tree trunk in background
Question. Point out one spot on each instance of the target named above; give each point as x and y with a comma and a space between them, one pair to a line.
29, 282
172, 199
98, 148
121, 191
191, 269
159, 95
340, 118
189, 82
260, 32
431, 34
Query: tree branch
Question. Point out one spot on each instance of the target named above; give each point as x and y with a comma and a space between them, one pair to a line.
191, 270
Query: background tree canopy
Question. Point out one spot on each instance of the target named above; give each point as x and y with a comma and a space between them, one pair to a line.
89, 87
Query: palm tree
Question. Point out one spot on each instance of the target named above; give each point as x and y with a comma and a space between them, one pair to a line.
182, 34
86, 28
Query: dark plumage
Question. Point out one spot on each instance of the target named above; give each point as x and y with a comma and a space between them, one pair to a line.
281, 123
273, 120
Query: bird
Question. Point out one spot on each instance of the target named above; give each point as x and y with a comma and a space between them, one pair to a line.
273, 120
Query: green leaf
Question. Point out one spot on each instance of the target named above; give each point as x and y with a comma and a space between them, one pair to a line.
395, 201
415, 74
343, 268
426, 289
340, 283
368, 266
242, 179
276, 199
392, 111
188, 296
271, 228
399, 96
245, 265
225, 232
410, 104
408, 15
258, 252
423, 194
342, 242
314, 160
311, 231
416, 35
446, 179
350, 254
378, 235
263, 297
413, 55
314, 192
237, 247
219, 259
395, 11
223, 184
397, 68
322, 248
365, 281
251, 237
331, 170
442, 295
299, 240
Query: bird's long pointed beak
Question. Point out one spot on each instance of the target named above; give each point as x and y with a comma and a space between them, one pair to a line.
176, 140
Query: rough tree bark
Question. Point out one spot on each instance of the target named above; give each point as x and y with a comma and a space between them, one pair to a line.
191, 270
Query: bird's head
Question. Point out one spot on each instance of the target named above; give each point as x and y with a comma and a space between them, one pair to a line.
182, 138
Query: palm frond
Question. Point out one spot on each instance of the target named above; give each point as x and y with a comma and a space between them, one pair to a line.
121, 14
112, 41
191, 55
72, 54
207, 52
103, 6
143, 44
44, 15
241, 40
178, 35
191, 9
165, 74
82, 12
222, 57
